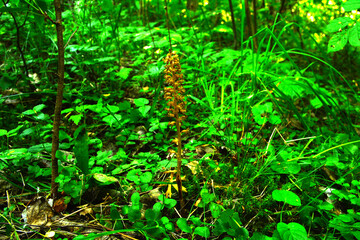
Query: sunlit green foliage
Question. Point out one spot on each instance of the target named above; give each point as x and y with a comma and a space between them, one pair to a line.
272, 147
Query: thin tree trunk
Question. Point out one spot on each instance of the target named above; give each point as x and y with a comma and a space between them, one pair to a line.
248, 19
233, 24
59, 98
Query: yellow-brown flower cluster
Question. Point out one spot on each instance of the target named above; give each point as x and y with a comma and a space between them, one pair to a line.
174, 93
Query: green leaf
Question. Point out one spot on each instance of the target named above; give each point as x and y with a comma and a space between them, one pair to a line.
134, 175
111, 109
29, 112
292, 231
316, 103
168, 202
351, 5
325, 206
146, 177
144, 110
354, 35
105, 179
207, 197
134, 214
182, 224
76, 118
287, 197
26, 132
124, 73
215, 210
39, 107
196, 220
112, 119
202, 231
140, 102
338, 41
135, 198
338, 23
286, 167
81, 150
3, 132
332, 161
123, 106
274, 119
40, 147
151, 215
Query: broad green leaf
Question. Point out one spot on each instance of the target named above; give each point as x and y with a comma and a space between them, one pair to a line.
354, 35
325, 206
81, 150
134, 214
41, 116
151, 215
338, 23
140, 102
182, 224
134, 175
287, 197
76, 118
202, 231
168, 202
351, 149
135, 198
124, 73
332, 161
215, 210
123, 106
176, 36
274, 119
146, 177
316, 103
292, 231
338, 41
105, 179
286, 167
351, 5
112, 119
3, 132
111, 109
291, 87
29, 112
207, 197
144, 110
170, 226
26, 132
39, 107
40, 147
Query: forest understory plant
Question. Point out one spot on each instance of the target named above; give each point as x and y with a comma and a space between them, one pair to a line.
174, 94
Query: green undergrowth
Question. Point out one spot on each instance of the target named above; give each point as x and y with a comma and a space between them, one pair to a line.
271, 151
